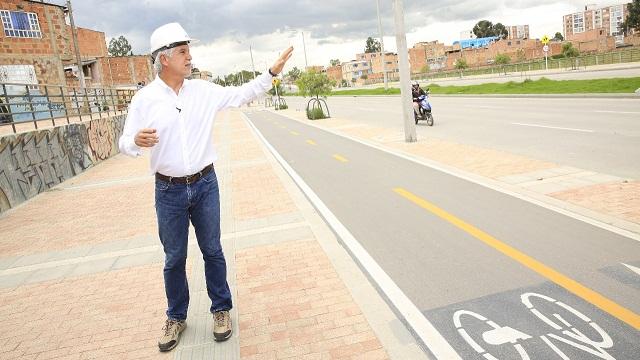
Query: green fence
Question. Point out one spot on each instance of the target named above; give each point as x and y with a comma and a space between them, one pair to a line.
581, 62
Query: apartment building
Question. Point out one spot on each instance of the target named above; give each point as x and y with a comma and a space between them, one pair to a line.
593, 23
355, 69
518, 32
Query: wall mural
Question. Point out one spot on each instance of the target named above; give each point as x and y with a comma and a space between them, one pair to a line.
35, 161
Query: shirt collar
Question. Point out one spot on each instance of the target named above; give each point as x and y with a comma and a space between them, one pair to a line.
164, 85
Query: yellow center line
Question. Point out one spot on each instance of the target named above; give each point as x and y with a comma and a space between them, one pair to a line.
564, 281
311, 142
294, 133
339, 158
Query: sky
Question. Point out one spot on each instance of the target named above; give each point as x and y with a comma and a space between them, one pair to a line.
332, 29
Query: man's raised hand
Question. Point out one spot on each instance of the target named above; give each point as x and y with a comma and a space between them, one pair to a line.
277, 67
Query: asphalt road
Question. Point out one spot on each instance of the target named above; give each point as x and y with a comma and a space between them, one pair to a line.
494, 274
596, 134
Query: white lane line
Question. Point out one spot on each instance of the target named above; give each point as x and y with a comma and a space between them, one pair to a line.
632, 268
553, 127
414, 317
617, 112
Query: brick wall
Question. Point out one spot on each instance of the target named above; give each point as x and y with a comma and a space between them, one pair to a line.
91, 43
45, 53
335, 73
125, 70
54, 40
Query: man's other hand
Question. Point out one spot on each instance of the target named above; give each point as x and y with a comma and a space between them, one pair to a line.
146, 138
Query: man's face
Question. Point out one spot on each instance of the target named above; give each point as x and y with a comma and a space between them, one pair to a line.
179, 63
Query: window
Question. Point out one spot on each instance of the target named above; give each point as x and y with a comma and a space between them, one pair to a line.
20, 24
578, 22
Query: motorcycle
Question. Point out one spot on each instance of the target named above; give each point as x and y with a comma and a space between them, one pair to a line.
424, 110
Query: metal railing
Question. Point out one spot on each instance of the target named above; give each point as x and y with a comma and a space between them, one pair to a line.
24, 103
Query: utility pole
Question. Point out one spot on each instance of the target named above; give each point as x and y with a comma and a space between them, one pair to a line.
405, 87
253, 67
384, 71
74, 33
305, 52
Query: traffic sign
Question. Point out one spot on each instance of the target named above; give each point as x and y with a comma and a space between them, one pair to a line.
545, 39
545, 48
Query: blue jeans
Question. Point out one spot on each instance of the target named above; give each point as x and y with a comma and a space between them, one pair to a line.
199, 202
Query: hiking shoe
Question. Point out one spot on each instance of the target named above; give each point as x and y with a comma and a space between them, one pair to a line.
171, 334
221, 325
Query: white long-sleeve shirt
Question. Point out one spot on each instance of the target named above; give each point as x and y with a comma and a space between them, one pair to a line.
183, 122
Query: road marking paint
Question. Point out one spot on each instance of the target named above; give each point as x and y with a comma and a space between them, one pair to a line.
617, 112
311, 142
415, 319
294, 133
553, 127
569, 284
340, 158
632, 268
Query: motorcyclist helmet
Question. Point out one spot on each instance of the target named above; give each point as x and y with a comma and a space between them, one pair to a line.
415, 84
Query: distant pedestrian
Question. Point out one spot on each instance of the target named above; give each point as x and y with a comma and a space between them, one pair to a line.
173, 117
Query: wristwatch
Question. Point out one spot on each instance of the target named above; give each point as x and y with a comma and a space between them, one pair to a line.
271, 73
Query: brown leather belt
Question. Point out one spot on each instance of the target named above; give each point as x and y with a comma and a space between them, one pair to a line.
189, 179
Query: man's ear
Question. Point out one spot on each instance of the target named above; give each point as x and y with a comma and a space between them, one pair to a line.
163, 60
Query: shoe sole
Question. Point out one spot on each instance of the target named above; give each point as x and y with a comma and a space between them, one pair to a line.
174, 345
220, 338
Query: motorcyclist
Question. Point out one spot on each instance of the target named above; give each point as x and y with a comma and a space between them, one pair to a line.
416, 91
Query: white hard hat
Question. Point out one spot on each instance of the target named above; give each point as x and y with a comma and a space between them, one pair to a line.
168, 36
414, 83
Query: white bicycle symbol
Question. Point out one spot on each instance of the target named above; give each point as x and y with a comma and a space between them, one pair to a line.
500, 335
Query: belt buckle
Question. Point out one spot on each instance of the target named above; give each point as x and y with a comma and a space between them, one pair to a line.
187, 180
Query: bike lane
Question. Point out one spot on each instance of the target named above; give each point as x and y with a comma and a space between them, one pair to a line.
538, 320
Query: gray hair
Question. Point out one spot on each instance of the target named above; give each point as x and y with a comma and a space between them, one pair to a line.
157, 65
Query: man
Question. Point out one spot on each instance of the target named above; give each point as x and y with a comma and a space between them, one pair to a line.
416, 91
174, 117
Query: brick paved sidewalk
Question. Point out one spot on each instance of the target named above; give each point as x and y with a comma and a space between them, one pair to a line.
81, 270
610, 199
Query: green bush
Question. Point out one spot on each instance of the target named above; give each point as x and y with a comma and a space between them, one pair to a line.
281, 106
315, 114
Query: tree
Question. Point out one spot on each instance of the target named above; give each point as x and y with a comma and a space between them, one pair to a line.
500, 30
334, 62
372, 45
633, 18
312, 83
521, 56
119, 47
483, 28
568, 51
294, 73
425, 68
461, 64
502, 60
558, 37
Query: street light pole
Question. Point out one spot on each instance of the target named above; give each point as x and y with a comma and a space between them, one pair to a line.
405, 87
74, 33
304, 47
384, 71
253, 67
